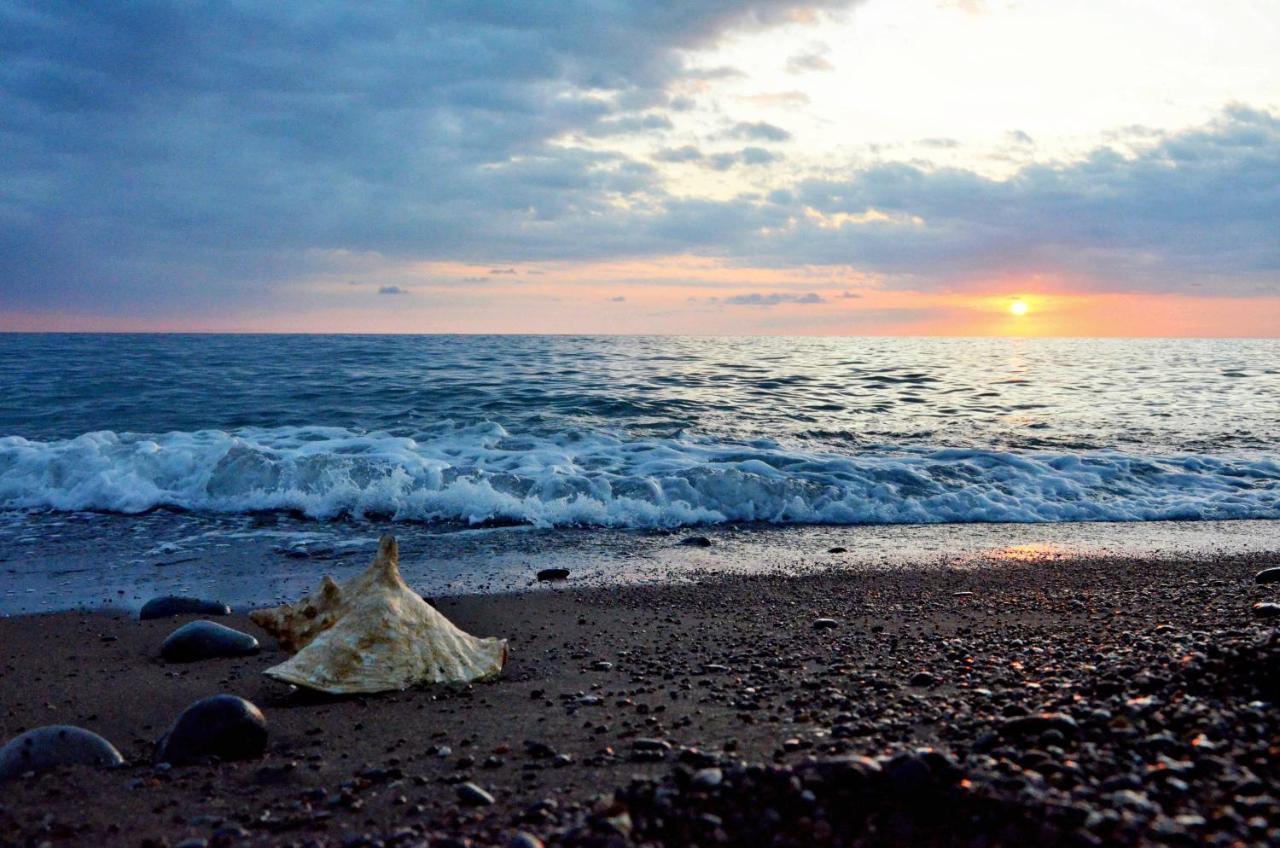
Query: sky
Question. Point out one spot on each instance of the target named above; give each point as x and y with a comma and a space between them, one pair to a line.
852, 167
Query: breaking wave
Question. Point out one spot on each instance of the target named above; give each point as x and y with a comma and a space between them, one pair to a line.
484, 474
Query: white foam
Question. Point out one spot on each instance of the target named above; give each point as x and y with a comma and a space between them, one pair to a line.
482, 474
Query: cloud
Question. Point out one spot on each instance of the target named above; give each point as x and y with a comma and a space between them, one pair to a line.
687, 153
773, 299
392, 290
1185, 211
156, 155
746, 156
630, 125
814, 60
848, 295
618, 299
759, 131
1193, 206
499, 271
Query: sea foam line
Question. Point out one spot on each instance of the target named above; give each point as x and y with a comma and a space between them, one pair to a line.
483, 473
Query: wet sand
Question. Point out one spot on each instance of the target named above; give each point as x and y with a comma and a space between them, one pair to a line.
1160, 682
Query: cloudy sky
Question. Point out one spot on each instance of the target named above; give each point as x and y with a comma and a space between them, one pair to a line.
636, 166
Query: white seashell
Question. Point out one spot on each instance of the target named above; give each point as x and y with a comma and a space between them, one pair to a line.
374, 634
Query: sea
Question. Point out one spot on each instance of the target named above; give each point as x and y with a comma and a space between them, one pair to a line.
302, 442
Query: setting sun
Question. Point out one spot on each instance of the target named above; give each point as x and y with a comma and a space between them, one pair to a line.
1018, 307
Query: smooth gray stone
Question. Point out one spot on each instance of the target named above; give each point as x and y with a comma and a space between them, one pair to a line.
1268, 575
203, 640
56, 745
474, 796
170, 605
223, 726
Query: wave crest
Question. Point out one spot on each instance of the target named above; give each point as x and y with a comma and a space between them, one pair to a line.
485, 474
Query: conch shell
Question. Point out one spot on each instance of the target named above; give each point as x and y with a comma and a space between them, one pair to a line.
374, 634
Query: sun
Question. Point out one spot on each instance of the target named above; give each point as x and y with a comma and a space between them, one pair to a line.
1018, 307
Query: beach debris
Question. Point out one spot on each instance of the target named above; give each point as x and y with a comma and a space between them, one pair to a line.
374, 634
222, 726
474, 796
1266, 609
825, 624
171, 605
203, 640
696, 541
54, 745
547, 574
1268, 575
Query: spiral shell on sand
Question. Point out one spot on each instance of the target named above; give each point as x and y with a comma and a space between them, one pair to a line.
374, 634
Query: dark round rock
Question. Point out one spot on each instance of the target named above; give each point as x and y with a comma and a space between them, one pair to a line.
474, 796
202, 640
696, 541
837, 550
1266, 609
923, 678
1268, 575
1038, 723
56, 745
553, 574
523, 839
171, 605
825, 624
223, 726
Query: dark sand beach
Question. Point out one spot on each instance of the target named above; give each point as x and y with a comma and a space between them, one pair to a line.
1063, 700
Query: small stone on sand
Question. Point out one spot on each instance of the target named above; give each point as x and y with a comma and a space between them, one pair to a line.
202, 640
171, 605
56, 745
222, 726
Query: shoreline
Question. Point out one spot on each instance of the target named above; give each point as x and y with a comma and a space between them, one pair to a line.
67, 561
1156, 663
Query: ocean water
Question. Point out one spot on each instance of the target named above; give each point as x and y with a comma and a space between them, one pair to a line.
640, 432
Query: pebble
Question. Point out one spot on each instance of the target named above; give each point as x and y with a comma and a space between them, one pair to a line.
1033, 725
474, 796
222, 726
1266, 609
825, 624
1268, 575
707, 778
923, 678
602, 665
171, 605
202, 640
837, 550
696, 541
547, 574
524, 840
56, 745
